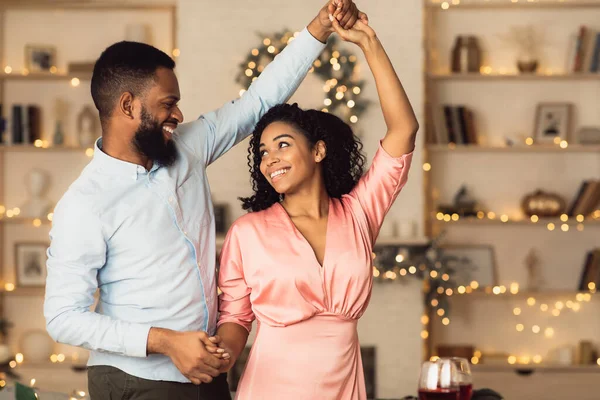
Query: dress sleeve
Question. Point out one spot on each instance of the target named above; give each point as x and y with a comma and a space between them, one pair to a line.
379, 187
234, 298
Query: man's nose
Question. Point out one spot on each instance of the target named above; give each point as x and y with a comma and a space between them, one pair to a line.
177, 115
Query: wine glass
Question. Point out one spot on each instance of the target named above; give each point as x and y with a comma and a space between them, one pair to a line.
438, 381
463, 376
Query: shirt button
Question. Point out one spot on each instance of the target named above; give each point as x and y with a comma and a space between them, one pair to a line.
171, 199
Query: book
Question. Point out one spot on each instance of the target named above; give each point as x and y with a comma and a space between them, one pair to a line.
580, 45
584, 271
17, 125
580, 191
472, 137
441, 131
449, 124
588, 50
584, 203
595, 65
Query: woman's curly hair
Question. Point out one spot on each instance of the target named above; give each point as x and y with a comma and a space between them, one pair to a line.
342, 166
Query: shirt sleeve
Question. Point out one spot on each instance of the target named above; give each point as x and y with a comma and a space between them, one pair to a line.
214, 133
234, 300
376, 190
76, 253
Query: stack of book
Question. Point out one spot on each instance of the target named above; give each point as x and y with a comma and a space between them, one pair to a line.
454, 124
591, 270
24, 125
587, 199
585, 51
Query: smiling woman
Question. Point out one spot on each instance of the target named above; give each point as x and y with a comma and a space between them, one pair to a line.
283, 142
310, 281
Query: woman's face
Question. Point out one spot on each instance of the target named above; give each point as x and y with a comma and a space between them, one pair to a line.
288, 160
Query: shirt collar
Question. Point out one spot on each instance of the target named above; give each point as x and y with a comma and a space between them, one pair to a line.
116, 166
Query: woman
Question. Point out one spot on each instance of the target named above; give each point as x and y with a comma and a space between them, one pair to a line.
301, 262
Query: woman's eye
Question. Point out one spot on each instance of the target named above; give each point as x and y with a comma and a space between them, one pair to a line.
283, 144
263, 153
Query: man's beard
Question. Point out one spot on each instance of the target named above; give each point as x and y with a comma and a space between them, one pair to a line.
150, 141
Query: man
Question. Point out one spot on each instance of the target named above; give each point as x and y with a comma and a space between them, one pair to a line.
138, 223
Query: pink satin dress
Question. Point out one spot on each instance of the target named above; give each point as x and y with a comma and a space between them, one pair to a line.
306, 347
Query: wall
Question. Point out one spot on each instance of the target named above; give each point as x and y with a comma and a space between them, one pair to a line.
206, 69
213, 39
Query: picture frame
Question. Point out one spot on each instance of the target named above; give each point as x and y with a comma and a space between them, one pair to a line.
472, 263
553, 122
30, 264
40, 58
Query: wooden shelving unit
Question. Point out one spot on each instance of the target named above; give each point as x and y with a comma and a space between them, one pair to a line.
18, 76
441, 87
510, 5
24, 148
542, 222
571, 148
494, 77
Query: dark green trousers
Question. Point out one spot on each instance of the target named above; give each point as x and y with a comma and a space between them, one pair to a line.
109, 383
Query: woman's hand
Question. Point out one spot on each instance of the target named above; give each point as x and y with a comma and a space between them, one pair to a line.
214, 345
360, 34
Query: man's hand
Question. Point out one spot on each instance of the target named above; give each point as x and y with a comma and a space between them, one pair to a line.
188, 352
345, 11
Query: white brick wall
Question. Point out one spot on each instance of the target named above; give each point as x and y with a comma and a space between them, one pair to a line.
215, 36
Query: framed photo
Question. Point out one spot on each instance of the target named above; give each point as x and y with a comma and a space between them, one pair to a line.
30, 264
552, 122
39, 58
472, 263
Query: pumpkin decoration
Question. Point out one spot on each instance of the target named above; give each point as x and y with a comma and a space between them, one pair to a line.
543, 204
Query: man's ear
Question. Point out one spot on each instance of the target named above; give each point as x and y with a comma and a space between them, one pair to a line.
126, 107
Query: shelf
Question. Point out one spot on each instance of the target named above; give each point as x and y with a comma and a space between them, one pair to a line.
52, 366
526, 368
24, 221
479, 293
30, 148
514, 77
16, 76
572, 148
80, 5
542, 222
508, 4
392, 241
25, 291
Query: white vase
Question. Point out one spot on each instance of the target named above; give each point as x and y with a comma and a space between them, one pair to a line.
36, 346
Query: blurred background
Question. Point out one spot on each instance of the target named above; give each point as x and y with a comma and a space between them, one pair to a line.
492, 250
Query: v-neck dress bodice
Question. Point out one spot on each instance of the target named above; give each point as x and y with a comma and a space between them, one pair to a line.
306, 345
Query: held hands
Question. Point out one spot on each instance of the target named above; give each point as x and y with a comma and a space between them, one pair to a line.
344, 11
360, 33
197, 356
215, 346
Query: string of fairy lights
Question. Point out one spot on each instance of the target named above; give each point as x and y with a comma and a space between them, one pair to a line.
337, 67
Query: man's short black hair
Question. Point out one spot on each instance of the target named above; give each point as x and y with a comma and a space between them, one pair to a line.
124, 67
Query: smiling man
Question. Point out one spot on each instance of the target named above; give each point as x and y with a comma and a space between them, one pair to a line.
138, 223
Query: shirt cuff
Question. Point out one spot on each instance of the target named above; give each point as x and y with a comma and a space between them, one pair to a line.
136, 340
309, 45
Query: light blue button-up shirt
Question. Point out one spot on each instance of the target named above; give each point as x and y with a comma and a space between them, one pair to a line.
146, 239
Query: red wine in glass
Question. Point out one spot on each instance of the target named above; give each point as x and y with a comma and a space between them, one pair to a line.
439, 394
466, 391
